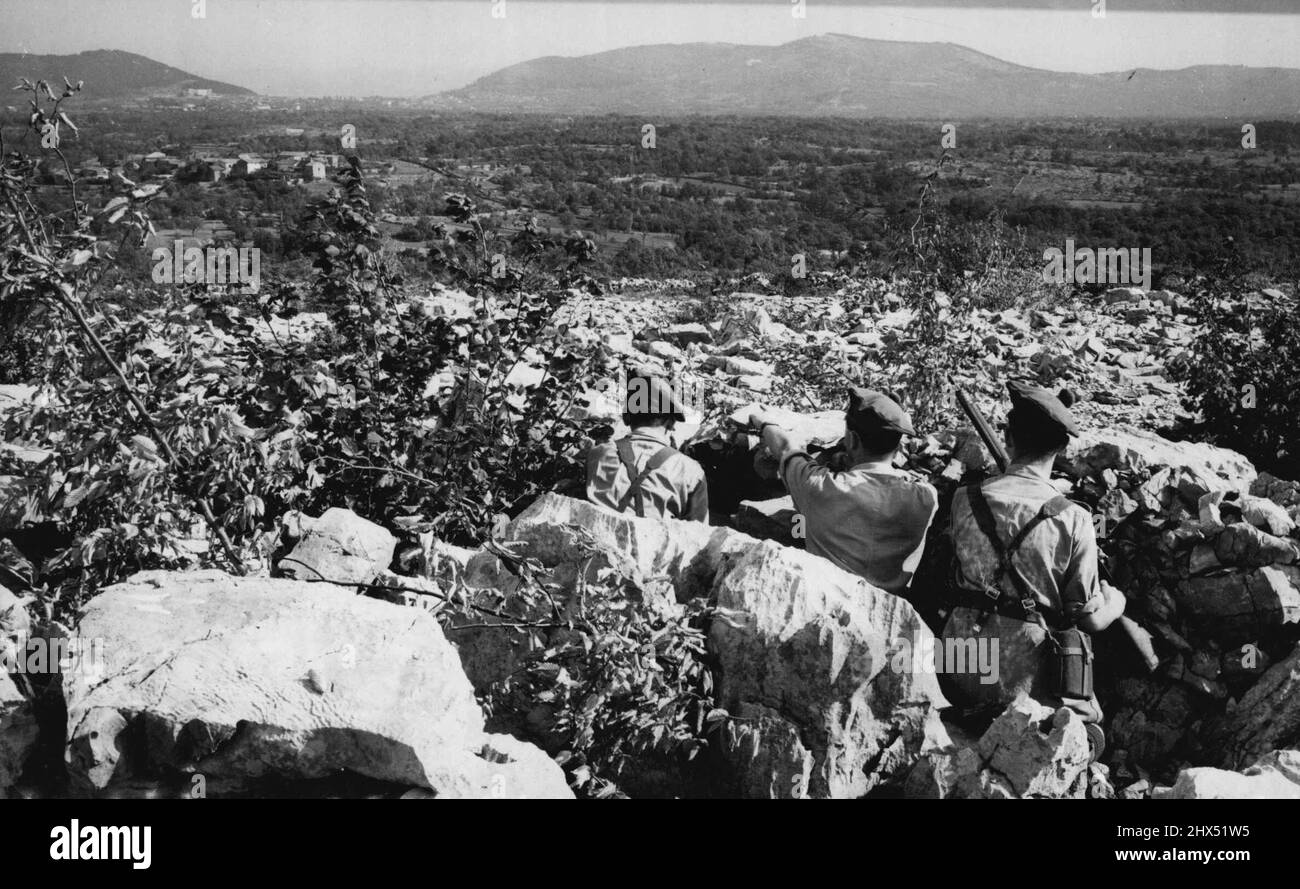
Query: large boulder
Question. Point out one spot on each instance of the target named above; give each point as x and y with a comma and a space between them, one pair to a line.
18, 733
1274, 776
251, 679
1041, 752
1031, 751
816, 665
1151, 718
1266, 718
575, 541
1240, 545
1126, 449
561, 532
1239, 606
340, 546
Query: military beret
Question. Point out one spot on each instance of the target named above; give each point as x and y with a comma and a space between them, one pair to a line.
1042, 407
652, 397
869, 410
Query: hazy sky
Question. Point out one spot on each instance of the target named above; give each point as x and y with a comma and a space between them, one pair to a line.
417, 47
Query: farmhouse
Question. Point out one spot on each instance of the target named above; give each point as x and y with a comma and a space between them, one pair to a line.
248, 164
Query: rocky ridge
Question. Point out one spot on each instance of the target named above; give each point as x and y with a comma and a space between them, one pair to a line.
1204, 545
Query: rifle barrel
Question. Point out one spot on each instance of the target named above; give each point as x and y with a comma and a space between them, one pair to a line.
985, 431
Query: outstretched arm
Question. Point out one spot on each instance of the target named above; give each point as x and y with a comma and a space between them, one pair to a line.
778, 441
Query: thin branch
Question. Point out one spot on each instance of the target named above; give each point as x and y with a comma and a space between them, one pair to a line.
69, 302
508, 620
369, 468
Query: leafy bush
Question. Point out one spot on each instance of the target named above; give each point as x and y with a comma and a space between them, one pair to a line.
408, 416
404, 408
610, 681
1241, 376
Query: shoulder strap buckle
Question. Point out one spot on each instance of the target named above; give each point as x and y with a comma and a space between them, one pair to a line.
984, 518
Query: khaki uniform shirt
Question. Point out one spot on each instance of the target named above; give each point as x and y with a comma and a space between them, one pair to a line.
1058, 561
870, 520
677, 489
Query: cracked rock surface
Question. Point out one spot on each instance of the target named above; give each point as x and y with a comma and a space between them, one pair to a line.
806, 657
1029, 752
243, 679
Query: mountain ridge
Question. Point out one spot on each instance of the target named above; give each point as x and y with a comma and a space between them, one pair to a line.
843, 75
109, 74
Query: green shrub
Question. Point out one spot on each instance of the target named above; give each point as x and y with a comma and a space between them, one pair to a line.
196, 410
1242, 375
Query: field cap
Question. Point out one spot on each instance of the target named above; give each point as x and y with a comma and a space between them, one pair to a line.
1042, 407
870, 411
649, 396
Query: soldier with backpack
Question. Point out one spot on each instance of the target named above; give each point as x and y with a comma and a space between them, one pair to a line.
642, 472
1025, 572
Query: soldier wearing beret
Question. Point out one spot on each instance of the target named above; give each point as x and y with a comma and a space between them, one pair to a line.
1025, 560
870, 520
642, 472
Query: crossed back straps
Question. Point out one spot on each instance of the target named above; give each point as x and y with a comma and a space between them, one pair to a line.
628, 459
994, 598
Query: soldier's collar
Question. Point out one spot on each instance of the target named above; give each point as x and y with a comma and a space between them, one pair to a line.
1029, 470
874, 466
651, 433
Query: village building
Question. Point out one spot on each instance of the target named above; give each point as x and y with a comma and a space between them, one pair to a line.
159, 163
312, 170
248, 164
210, 170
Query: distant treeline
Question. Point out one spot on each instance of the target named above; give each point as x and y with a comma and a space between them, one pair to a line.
744, 194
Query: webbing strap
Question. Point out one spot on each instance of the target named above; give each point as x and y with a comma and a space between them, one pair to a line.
986, 522
628, 459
